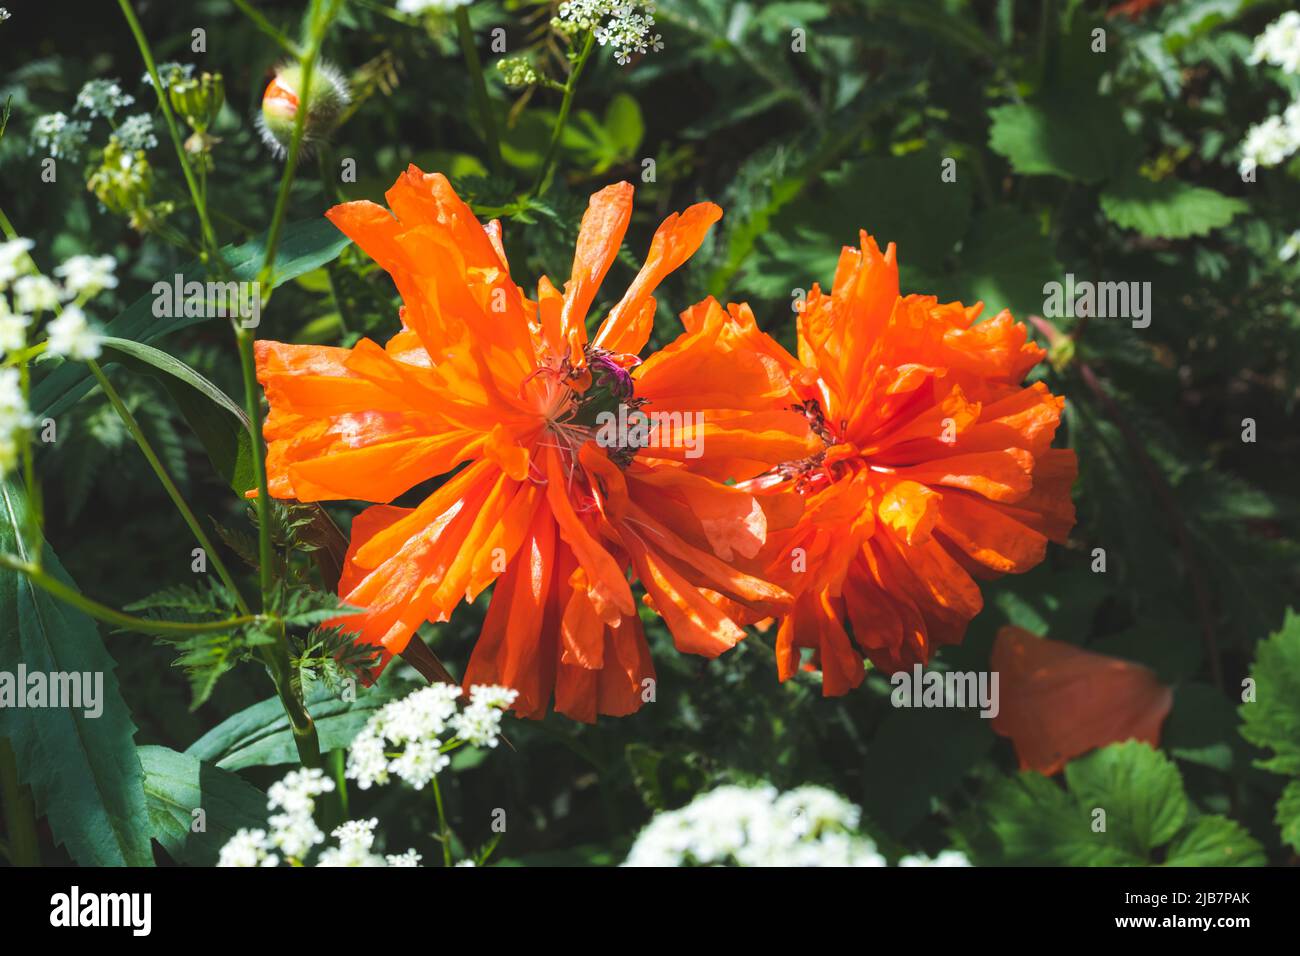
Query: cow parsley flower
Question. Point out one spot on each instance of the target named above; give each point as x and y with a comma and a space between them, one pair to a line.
946, 858
87, 275
4, 14
14, 260
13, 328
756, 826
1279, 44
103, 98
1270, 142
58, 136
35, 294
430, 6
136, 132
71, 336
169, 73
623, 26
248, 848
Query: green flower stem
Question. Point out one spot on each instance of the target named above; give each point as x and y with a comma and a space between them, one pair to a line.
210, 245
253, 406
481, 101
266, 27
443, 828
173, 492
20, 816
102, 612
570, 86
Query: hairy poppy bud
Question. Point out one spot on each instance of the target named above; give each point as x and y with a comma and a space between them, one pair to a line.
327, 99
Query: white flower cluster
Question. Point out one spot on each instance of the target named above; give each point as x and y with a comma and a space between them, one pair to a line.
4, 14
1270, 142
25, 294
426, 6
103, 98
757, 826
58, 136
625, 27
136, 132
417, 723
1279, 44
169, 73
1276, 138
946, 858
293, 831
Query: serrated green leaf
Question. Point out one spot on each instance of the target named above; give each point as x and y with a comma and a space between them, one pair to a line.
83, 771
1140, 790
1288, 814
176, 785
1168, 209
1076, 135
1272, 719
1215, 841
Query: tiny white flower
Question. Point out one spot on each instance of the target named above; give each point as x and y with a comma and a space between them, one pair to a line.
409, 858
87, 275
420, 762
14, 260
13, 330
35, 294
1279, 44
58, 136
169, 71
102, 98
359, 833
136, 132
71, 336
435, 6
246, 848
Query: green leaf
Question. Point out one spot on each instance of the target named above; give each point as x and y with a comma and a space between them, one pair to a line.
1215, 841
214, 417
1288, 814
1140, 790
1037, 822
176, 785
1005, 262
1168, 209
83, 771
304, 246
919, 756
898, 199
1272, 719
260, 736
1074, 134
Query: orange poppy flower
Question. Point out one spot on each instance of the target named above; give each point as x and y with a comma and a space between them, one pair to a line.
934, 471
510, 395
1059, 701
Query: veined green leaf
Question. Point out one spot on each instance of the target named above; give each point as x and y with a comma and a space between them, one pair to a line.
83, 771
